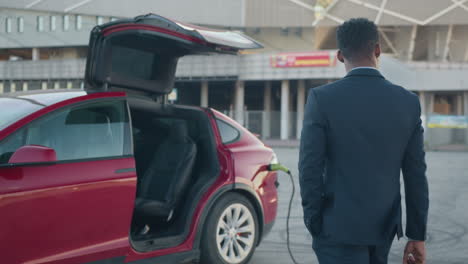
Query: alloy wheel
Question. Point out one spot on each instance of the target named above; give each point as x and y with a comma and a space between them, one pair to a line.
235, 235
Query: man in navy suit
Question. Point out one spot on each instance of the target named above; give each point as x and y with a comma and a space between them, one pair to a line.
358, 133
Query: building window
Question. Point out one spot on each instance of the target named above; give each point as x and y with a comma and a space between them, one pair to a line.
20, 24
446, 104
79, 22
40, 23
99, 20
53, 23
66, 22
8, 25
298, 32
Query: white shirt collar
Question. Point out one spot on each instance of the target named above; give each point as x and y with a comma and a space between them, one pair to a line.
364, 67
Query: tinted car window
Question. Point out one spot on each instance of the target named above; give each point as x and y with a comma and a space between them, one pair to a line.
20, 106
94, 130
228, 133
134, 63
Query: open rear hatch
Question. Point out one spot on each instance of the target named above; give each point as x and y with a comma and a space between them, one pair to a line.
141, 54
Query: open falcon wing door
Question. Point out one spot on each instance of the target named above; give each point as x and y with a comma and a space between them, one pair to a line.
141, 54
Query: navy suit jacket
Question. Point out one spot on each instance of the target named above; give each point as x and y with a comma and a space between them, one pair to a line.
358, 133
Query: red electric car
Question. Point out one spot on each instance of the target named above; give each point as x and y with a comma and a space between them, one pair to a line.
114, 174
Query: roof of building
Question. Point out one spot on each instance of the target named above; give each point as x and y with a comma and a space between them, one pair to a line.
399, 12
265, 13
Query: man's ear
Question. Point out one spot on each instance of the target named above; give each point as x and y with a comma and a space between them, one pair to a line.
339, 56
377, 50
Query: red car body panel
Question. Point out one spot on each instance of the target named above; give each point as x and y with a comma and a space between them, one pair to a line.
251, 157
78, 212
66, 213
61, 196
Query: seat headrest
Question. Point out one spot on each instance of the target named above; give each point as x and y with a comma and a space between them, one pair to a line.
178, 131
86, 116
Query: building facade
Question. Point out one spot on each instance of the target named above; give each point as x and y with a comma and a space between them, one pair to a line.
43, 45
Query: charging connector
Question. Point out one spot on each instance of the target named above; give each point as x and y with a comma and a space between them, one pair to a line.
279, 167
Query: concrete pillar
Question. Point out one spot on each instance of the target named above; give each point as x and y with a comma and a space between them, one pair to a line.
300, 106
466, 53
430, 103
239, 102
44, 86
465, 103
25, 86
35, 54
57, 85
284, 109
465, 112
204, 94
12, 87
69, 85
459, 104
266, 123
429, 109
1, 87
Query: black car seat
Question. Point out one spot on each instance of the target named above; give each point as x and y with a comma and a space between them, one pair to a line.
147, 138
165, 182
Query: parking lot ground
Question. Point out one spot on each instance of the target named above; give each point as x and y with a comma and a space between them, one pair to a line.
448, 218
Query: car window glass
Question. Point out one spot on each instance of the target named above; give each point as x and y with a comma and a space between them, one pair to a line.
134, 63
228, 133
94, 130
51, 98
17, 109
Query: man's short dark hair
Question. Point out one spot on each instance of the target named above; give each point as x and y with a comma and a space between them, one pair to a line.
357, 38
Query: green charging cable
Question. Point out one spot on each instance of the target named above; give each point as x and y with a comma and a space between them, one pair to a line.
279, 167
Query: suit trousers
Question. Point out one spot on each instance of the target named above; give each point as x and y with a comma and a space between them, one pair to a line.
331, 253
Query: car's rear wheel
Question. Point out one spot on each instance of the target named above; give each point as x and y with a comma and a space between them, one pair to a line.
231, 233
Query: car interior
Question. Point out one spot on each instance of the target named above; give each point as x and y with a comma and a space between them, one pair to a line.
176, 161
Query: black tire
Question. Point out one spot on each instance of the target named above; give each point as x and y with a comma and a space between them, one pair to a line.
210, 253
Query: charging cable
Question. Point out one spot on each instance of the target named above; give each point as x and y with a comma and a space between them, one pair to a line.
279, 167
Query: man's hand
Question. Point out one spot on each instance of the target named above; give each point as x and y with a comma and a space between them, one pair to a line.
415, 253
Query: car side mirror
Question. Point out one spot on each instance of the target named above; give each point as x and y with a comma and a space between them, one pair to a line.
33, 154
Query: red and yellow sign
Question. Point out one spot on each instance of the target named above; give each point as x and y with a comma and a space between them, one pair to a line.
303, 59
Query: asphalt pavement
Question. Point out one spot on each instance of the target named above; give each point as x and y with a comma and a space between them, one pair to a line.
448, 218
